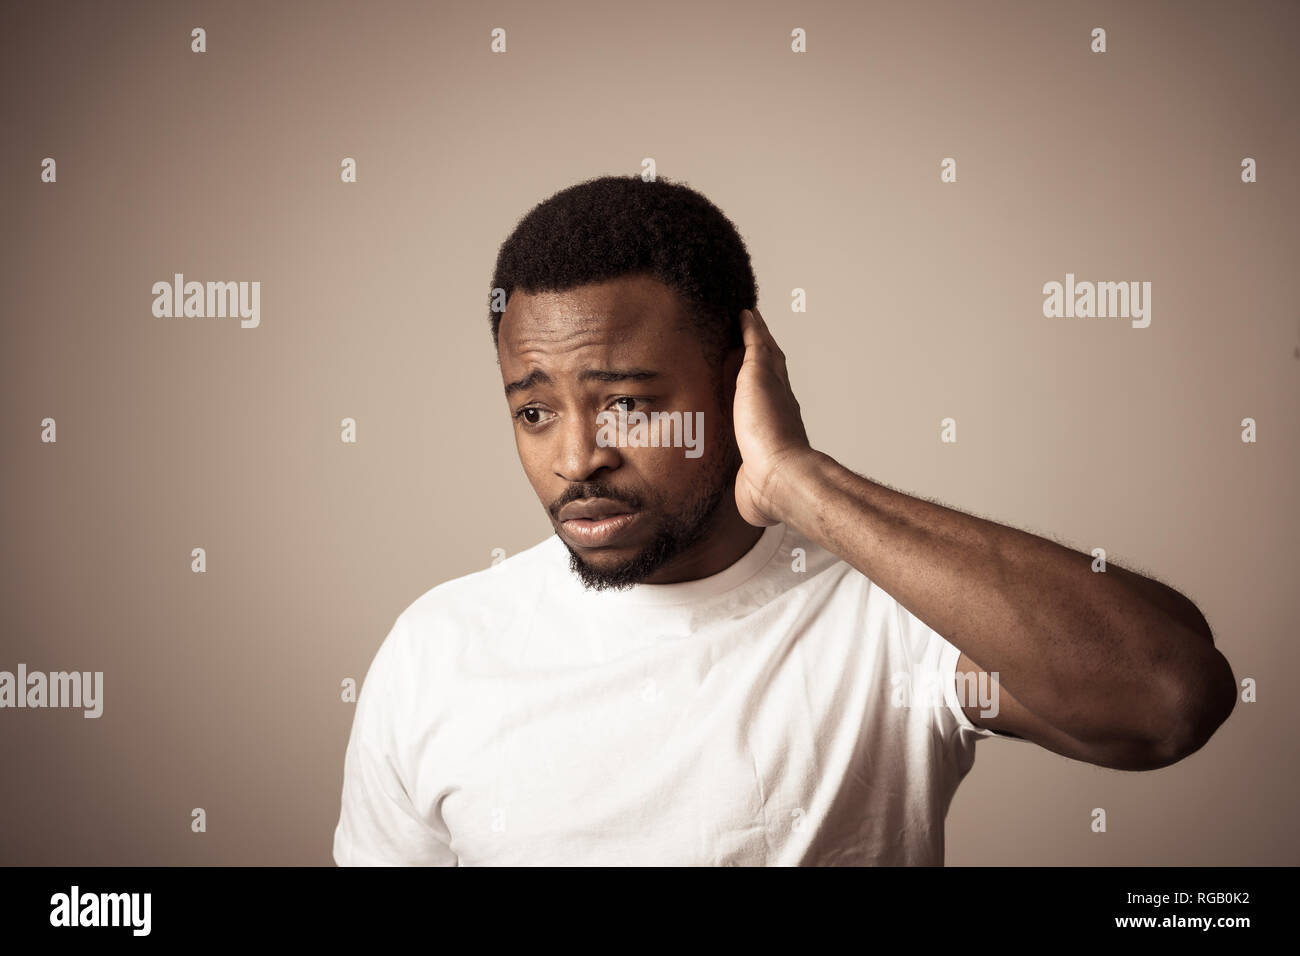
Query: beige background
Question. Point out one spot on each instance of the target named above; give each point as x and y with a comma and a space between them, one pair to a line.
222, 689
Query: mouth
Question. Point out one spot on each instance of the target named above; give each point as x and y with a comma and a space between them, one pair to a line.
597, 524
600, 532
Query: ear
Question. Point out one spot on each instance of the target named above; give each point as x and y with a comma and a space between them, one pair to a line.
731, 364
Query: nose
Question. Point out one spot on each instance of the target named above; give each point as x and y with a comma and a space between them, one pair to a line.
578, 455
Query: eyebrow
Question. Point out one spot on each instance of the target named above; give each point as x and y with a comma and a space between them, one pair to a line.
538, 377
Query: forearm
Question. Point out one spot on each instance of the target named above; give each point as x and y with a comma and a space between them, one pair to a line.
1097, 655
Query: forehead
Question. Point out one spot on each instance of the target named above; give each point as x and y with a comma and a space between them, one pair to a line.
625, 316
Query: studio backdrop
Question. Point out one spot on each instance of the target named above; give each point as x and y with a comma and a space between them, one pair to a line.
215, 506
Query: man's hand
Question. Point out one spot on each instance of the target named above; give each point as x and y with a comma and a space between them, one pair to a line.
769, 428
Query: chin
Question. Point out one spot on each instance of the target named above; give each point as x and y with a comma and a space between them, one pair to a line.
611, 568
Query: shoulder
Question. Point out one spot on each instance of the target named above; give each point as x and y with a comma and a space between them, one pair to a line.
888, 627
850, 590
481, 601
805, 557
433, 630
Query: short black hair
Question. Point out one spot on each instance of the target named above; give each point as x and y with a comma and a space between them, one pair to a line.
612, 226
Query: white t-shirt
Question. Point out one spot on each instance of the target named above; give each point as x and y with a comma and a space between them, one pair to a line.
785, 711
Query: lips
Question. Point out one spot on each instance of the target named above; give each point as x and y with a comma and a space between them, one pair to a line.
597, 522
594, 508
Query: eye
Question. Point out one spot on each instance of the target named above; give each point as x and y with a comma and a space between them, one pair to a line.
626, 398
531, 415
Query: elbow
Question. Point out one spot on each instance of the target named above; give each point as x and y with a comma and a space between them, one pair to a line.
1201, 702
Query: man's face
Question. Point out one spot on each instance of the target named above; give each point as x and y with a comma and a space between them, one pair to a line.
624, 345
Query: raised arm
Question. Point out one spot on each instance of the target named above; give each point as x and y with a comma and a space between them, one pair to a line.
1113, 668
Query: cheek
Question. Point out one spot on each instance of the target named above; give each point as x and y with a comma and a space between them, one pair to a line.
532, 456
667, 474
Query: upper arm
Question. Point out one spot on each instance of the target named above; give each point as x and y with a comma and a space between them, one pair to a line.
379, 824
1006, 715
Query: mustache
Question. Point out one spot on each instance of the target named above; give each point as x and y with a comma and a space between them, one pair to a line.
594, 489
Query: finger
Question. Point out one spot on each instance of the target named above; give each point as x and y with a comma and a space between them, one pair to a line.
776, 351
767, 333
756, 334
751, 330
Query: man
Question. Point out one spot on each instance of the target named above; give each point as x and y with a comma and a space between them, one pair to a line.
749, 656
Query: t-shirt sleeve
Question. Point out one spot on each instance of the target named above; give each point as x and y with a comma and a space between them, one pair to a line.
937, 659
378, 823
949, 655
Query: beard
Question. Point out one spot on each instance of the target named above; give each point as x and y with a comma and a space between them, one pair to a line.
680, 528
